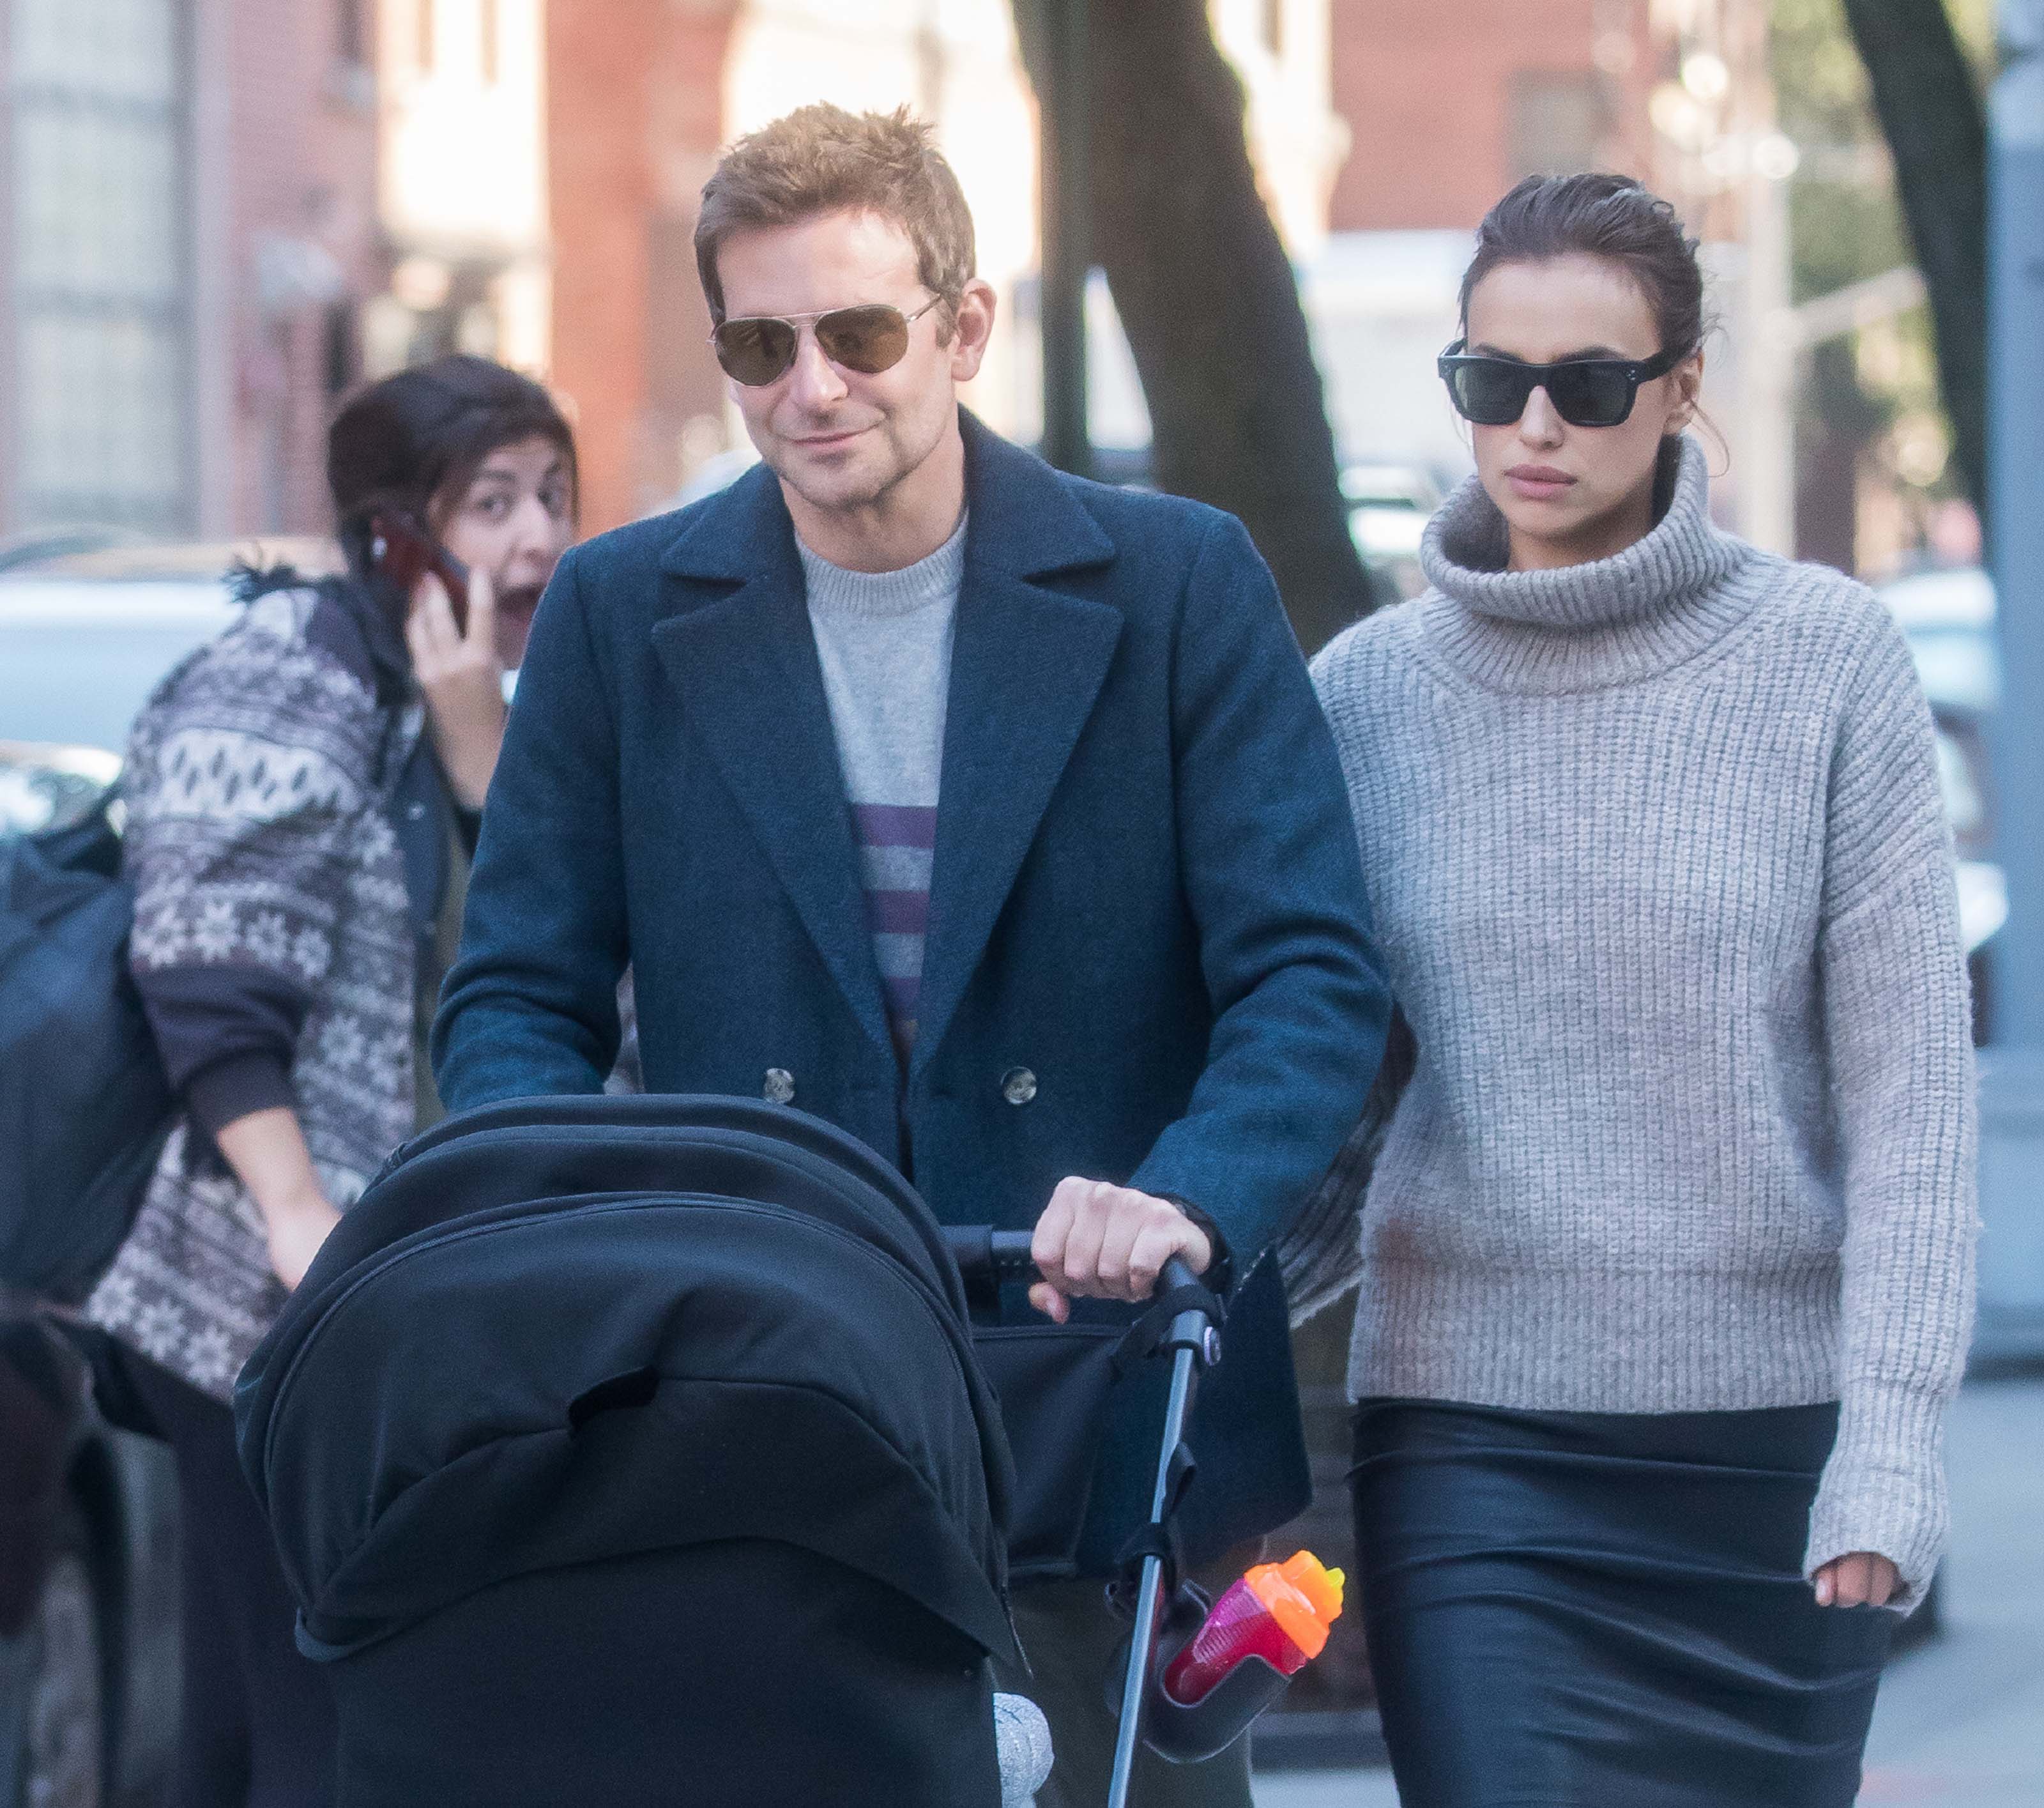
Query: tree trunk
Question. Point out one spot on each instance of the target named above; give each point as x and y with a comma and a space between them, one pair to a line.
1208, 300
1936, 128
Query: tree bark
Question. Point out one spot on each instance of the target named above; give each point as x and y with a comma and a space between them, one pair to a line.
1936, 128
1209, 299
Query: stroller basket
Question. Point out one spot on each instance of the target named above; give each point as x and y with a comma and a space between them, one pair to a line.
632, 1450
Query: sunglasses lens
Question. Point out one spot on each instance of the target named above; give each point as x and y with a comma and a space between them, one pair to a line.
1594, 393
1490, 392
868, 340
1588, 392
755, 352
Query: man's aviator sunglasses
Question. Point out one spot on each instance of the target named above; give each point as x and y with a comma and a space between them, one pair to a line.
869, 340
1586, 392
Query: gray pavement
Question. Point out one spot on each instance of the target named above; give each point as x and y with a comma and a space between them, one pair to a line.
1960, 1722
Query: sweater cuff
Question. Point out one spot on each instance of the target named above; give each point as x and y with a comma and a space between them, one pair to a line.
1883, 1489
234, 1086
1219, 1275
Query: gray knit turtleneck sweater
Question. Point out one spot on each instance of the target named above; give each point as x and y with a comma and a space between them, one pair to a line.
1656, 853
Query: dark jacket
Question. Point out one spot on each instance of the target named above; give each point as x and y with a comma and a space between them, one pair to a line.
1148, 959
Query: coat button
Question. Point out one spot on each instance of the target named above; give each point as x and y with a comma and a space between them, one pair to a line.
1018, 1086
780, 1086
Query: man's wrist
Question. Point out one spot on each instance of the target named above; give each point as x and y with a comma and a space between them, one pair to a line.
1219, 1274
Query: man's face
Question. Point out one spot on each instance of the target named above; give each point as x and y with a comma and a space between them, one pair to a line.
841, 440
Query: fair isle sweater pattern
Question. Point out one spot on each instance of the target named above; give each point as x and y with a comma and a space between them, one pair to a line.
1656, 852
256, 839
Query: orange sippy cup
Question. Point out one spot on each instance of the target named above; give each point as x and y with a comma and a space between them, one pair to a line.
1279, 1612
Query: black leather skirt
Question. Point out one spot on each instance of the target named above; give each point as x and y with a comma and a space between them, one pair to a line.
1606, 1610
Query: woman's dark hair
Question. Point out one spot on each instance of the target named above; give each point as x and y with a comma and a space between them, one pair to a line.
400, 443
1600, 215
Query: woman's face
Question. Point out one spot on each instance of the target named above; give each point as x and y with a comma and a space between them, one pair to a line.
514, 520
1571, 494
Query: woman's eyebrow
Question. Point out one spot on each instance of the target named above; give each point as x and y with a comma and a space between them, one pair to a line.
1489, 351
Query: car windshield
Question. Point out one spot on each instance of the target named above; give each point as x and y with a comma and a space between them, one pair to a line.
1958, 666
78, 659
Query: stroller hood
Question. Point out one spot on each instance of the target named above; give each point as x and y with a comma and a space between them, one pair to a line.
561, 1331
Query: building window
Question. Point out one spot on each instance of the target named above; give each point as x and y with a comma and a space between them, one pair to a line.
1273, 26
490, 32
424, 20
1558, 119
101, 422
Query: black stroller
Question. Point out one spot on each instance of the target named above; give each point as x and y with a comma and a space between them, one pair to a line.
599, 1423
634, 1451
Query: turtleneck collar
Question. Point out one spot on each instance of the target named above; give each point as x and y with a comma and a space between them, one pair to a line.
1644, 610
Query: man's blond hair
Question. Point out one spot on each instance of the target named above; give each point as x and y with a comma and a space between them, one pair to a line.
822, 159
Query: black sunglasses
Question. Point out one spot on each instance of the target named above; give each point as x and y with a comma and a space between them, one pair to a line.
869, 340
1586, 392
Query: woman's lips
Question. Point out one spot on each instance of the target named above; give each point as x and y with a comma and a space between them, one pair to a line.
1539, 482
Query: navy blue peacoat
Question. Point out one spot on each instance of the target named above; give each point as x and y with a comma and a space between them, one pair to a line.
1149, 958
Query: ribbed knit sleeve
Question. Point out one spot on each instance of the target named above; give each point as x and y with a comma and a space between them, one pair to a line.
1898, 1042
1320, 1253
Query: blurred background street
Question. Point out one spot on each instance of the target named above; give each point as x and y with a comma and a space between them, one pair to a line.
218, 217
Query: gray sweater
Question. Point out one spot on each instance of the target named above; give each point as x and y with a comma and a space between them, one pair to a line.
884, 642
1657, 856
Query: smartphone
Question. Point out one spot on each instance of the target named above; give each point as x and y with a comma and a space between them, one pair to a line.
410, 552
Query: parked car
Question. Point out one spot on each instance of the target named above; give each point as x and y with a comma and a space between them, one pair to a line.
88, 1531
88, 1587
1388, 508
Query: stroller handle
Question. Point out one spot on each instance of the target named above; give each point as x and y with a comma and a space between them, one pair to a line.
988, 1258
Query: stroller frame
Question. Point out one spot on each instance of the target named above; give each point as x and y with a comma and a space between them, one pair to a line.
1185, 1320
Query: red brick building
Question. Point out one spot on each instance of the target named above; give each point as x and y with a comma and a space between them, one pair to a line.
634, 120
1448, 105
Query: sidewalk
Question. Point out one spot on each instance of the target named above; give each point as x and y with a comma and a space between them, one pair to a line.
1961, 1721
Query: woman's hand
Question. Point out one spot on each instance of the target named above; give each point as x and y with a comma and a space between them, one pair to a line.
463, 681
1863, 1579
296, 1234
266, 1150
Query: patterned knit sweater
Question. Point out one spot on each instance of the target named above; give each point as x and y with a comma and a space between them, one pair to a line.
1656, 854
268, 883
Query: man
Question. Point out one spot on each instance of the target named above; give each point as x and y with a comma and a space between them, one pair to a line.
983, 812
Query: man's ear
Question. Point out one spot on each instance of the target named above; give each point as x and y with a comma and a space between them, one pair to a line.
972, 326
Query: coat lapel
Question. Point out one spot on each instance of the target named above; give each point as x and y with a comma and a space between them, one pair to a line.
745, 668
1028, 662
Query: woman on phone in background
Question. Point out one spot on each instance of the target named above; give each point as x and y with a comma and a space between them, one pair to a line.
1666, 1263
301, 794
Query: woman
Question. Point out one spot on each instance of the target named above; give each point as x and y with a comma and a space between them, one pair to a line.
1666, 1262
300, 793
